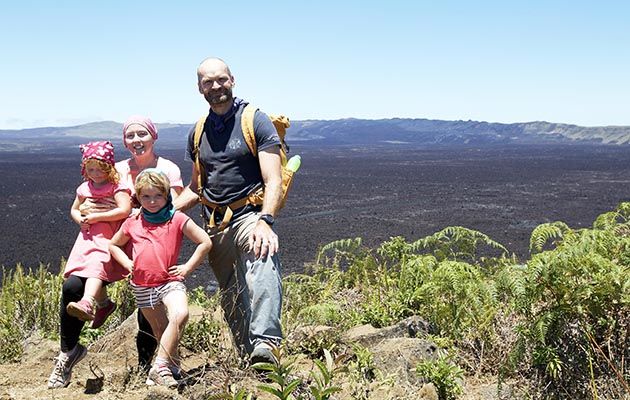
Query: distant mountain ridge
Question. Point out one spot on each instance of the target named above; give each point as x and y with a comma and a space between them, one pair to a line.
343, 131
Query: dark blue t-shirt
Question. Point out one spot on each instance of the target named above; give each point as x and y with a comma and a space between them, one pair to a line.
232, 171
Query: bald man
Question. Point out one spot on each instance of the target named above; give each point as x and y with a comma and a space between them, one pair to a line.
244, 257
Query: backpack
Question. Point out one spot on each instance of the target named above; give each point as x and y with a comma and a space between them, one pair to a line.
281, 123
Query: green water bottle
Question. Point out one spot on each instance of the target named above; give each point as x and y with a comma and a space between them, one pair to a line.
294, 163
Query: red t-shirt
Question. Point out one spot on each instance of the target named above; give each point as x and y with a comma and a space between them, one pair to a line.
154, 248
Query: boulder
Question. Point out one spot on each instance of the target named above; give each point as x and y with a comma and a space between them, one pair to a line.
400, 356
367, 335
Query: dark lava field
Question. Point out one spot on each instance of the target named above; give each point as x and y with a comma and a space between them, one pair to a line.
346, 192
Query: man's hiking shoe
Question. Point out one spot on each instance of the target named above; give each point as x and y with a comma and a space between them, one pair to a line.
81, 309
263, 354
61, 374
161, 376
102, 313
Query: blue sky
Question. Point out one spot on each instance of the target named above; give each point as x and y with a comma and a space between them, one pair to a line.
69, 62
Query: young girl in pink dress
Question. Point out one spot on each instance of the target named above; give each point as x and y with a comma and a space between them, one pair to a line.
155, 236
89, 265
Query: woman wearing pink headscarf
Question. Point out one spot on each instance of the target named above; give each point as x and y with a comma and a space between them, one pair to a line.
139, 136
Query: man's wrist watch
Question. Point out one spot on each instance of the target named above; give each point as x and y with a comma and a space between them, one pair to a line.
268, 218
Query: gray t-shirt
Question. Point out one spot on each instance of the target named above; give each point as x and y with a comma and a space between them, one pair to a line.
231, 170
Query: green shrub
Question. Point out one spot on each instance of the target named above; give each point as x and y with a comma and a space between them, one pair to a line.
574, 305
33, 300
445, 376
202, 335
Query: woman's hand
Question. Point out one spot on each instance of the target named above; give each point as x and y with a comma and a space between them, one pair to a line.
90, 206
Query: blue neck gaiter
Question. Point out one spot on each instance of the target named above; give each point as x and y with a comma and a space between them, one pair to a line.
162, 215
218, 121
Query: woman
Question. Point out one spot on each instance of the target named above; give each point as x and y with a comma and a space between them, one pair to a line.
139, 136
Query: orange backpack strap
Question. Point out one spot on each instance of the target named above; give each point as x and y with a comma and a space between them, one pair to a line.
247, 125
196, 143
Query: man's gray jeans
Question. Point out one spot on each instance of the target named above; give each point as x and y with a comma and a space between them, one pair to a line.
251, 288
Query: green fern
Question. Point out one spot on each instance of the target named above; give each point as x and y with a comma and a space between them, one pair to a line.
456, 243
545, 232
340, 246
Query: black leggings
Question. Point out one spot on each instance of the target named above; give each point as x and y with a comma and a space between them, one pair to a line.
145, 342
70, 327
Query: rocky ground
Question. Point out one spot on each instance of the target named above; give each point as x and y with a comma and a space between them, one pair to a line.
108, 372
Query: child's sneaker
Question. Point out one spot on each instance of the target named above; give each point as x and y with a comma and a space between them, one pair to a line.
81, 309
162, 376
102, 313
61, 374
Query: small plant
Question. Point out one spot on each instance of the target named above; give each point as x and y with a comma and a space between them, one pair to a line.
363, 363
199, 296
444, 375
280, 374
232, 393
323, 388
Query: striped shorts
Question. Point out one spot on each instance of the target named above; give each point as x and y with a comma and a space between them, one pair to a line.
149, 297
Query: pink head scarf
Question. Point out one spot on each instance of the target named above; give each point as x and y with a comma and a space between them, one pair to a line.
102, 151
142, 121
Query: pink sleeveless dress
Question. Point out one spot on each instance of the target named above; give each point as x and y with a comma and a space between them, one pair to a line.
90, 257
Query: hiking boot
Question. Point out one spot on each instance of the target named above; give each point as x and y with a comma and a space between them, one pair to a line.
161, 376
61, 374
263, 354
102, 313
81, 309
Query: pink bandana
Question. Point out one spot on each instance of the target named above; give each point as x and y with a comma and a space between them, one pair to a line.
145, 122
103, 151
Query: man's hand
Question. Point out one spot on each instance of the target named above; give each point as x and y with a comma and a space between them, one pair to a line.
263, 240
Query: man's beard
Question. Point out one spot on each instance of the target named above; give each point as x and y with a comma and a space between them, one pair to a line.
222, 97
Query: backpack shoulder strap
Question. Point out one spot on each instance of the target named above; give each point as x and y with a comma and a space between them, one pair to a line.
197, 136
247, 125
196, 143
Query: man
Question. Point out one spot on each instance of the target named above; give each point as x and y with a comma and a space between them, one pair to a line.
244, 256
